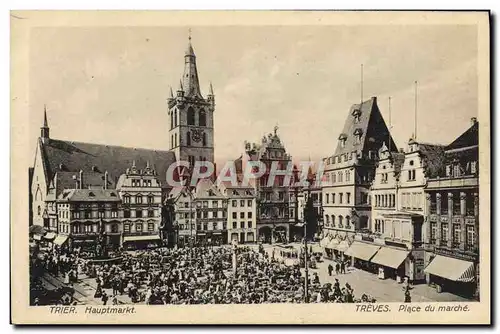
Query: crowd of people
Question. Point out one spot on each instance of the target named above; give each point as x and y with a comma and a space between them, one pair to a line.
200, 275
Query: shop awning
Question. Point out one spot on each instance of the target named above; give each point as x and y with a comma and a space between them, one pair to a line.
451, 268
362, 251
50, 236
341, 246
324, 242
332, 243
60, 239
390, 257
37, 237
141, 238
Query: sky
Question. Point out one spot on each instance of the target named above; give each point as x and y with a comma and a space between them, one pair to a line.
110, 84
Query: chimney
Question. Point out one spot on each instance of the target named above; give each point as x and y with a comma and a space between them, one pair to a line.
106, 180
80, 180
473, 120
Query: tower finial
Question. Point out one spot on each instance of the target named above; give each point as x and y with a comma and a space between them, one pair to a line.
171, 93
180, 85
45, 123
276, 129
211, 89
189, 35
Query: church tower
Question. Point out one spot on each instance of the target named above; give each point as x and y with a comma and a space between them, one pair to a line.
191, 116
44, 130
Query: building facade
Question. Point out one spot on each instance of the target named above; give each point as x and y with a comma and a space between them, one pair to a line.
211, 214
348, 175
241, 214
141, 201
452, 201
273, 196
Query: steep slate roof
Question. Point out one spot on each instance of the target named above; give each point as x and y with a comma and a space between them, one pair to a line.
203, 188
469, 138
371, 126
90, 195
75, 156
93, 180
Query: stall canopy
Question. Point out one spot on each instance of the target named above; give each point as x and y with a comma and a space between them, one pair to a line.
324, 242
141, 238
49, 236
60, 239
362, 251
451, 268
390, 257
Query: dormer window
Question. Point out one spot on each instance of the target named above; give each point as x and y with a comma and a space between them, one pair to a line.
342, 139
357, 136
91, 194
357, 115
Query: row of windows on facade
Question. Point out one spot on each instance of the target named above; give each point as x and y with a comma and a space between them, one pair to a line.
138, 227
371, 155
204, 204
331, 222
409, 201
267, 196
203, 214
138, 199
396, 229
466, 203
340, 198
471, 237
205, 226
141, 183
279, 181
191, 118
458, 170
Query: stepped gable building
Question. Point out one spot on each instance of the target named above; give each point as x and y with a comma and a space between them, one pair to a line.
273, 200
349, 172
191, 116
452, 231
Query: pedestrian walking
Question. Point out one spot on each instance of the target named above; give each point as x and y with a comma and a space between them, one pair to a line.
330, 269
104, 298
407, 296
342, 267
337, 268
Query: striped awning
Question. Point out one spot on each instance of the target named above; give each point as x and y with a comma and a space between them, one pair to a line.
390, 257
362, 251
60, 239
451, 268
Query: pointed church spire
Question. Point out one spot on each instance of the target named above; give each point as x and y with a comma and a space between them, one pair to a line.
171, 93
211, 90
181, 88
44, 130
190, 76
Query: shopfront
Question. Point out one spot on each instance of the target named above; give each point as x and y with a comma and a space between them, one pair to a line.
391, 263
449, 274
141, 242
360, 254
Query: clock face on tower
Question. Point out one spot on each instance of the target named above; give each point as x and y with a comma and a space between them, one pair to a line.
197, 135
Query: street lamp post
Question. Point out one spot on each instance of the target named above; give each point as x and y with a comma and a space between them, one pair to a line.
307, 218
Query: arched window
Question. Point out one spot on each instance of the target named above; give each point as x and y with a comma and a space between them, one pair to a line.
172, 120
204, 139
347, 221
341, 221
347, 175
172, 141
190, 116
39, 210
175, 140
138, 199
327, 220
203, 118
333, 220
188, 138
175, 118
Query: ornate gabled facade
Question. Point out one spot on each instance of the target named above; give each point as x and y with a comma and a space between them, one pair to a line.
452, 215
191, 116
349, 172
273, 198
141, 201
